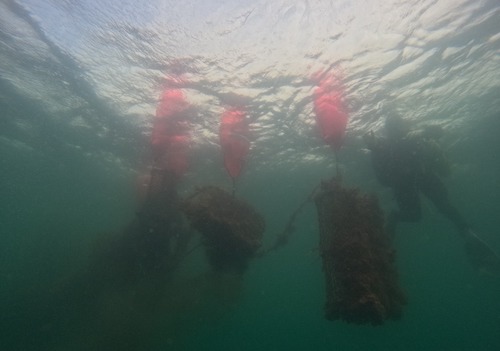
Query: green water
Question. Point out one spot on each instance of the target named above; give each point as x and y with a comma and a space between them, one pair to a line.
52, 217
79, 86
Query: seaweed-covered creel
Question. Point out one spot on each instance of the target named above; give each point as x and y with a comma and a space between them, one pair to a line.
358, 260
232, 230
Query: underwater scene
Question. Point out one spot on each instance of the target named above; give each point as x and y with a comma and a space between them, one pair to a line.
249, 175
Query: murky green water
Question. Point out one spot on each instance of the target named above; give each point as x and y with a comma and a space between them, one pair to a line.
78, 90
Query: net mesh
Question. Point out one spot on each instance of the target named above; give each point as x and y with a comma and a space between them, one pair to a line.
358, 260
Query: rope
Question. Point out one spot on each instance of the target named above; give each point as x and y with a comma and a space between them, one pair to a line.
283, 238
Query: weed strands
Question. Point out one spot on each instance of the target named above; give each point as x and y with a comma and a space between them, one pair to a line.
231, 229
358, 260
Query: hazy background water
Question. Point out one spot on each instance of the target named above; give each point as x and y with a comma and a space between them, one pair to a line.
79, 82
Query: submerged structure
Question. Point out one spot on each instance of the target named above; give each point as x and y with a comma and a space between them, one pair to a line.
358, 260
231, 229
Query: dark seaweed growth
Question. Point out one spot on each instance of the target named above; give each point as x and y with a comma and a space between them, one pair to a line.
232, 230
358, 261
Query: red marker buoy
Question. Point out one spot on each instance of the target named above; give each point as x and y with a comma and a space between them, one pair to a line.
234, 141
331, 112
170, 137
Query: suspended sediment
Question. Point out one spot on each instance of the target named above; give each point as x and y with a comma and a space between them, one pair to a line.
358, 261
231, 229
